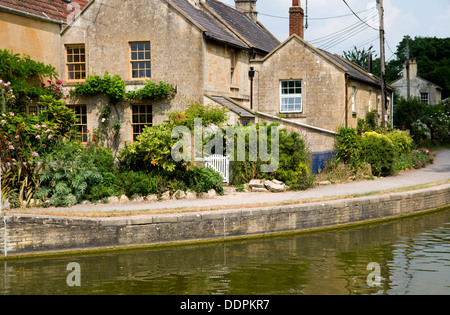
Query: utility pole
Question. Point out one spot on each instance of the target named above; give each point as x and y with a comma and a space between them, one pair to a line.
408, 80
383, 63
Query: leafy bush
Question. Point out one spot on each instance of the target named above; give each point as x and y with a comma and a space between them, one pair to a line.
202, 180
402, 141
379, 152
72, 173
348, 147
294, 166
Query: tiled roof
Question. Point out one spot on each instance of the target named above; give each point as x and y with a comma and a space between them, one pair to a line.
214, 29
50, 9
245, 26
253, 36
233, 106
355, 72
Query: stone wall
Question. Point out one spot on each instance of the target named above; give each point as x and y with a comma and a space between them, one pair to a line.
27, 234
26, 36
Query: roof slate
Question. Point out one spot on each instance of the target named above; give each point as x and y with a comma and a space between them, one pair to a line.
50, 9
245, 26
355, 72
214, 29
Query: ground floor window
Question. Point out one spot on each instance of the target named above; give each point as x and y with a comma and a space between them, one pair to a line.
142, 116
291, 96
81, 125
425, 97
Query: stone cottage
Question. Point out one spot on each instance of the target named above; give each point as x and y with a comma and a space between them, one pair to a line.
211, 53
427, 91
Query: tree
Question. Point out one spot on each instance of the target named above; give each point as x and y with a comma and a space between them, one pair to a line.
360, 57
433, 59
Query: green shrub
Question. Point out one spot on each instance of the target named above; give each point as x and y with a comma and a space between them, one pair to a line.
348, 147
141, 183
379, 152
402, 141
202, 180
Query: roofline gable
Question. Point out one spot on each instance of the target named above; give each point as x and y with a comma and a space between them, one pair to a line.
306, 44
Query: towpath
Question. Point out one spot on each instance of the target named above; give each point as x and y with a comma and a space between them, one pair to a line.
437, 172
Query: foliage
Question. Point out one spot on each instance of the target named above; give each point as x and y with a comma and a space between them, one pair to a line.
402, 141
152, 150
412, 160
209, 114
433, 59
385, 151
359, 56
294, 166
70, 172
348, 147
152, 91
26, 76
428, 124
379, 152
112, 87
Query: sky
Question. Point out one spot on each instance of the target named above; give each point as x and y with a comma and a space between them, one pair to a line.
333, 27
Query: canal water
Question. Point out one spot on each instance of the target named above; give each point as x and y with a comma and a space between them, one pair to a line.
408, 256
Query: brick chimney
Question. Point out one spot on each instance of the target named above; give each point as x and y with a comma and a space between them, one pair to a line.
296, 18
248, 7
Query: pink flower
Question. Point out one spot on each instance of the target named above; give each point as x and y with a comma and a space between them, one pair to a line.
50, 136
58, 89
38, 137
59, 82
11, 148
103, 120
3, 122
43, 85
44, 126
35, 154
17, 137
37, 126
11, 114
47, 131
49, 81
4, 115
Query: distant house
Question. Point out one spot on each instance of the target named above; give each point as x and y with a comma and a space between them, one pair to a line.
427, 91
211, 52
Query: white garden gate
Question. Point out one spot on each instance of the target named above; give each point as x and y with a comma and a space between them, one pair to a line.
220, 164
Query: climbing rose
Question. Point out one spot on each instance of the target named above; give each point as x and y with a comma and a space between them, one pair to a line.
38, 137
11, 148
35, 154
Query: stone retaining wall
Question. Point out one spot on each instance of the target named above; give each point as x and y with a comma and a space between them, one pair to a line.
32, 234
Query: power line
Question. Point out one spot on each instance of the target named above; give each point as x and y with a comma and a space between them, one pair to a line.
342, 34
320, 18
358, 16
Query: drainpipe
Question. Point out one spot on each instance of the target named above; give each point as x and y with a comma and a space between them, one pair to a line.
346, 99
251, 74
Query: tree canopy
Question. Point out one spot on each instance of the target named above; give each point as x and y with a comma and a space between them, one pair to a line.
431, 53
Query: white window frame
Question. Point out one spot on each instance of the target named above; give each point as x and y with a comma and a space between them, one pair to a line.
422, 98
353, 100
291, 96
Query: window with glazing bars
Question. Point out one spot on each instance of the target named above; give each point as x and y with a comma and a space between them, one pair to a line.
76, 62
140, 60
141, 117
291, 98
81, 124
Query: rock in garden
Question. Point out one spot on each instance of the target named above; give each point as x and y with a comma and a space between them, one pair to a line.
179, 194
275, 186
113, 200
124, 199
151, 198
256, 183
191, 195
212, 193
137, 198
166, 196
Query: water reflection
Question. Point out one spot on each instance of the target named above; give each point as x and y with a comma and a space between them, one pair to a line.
414, 255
